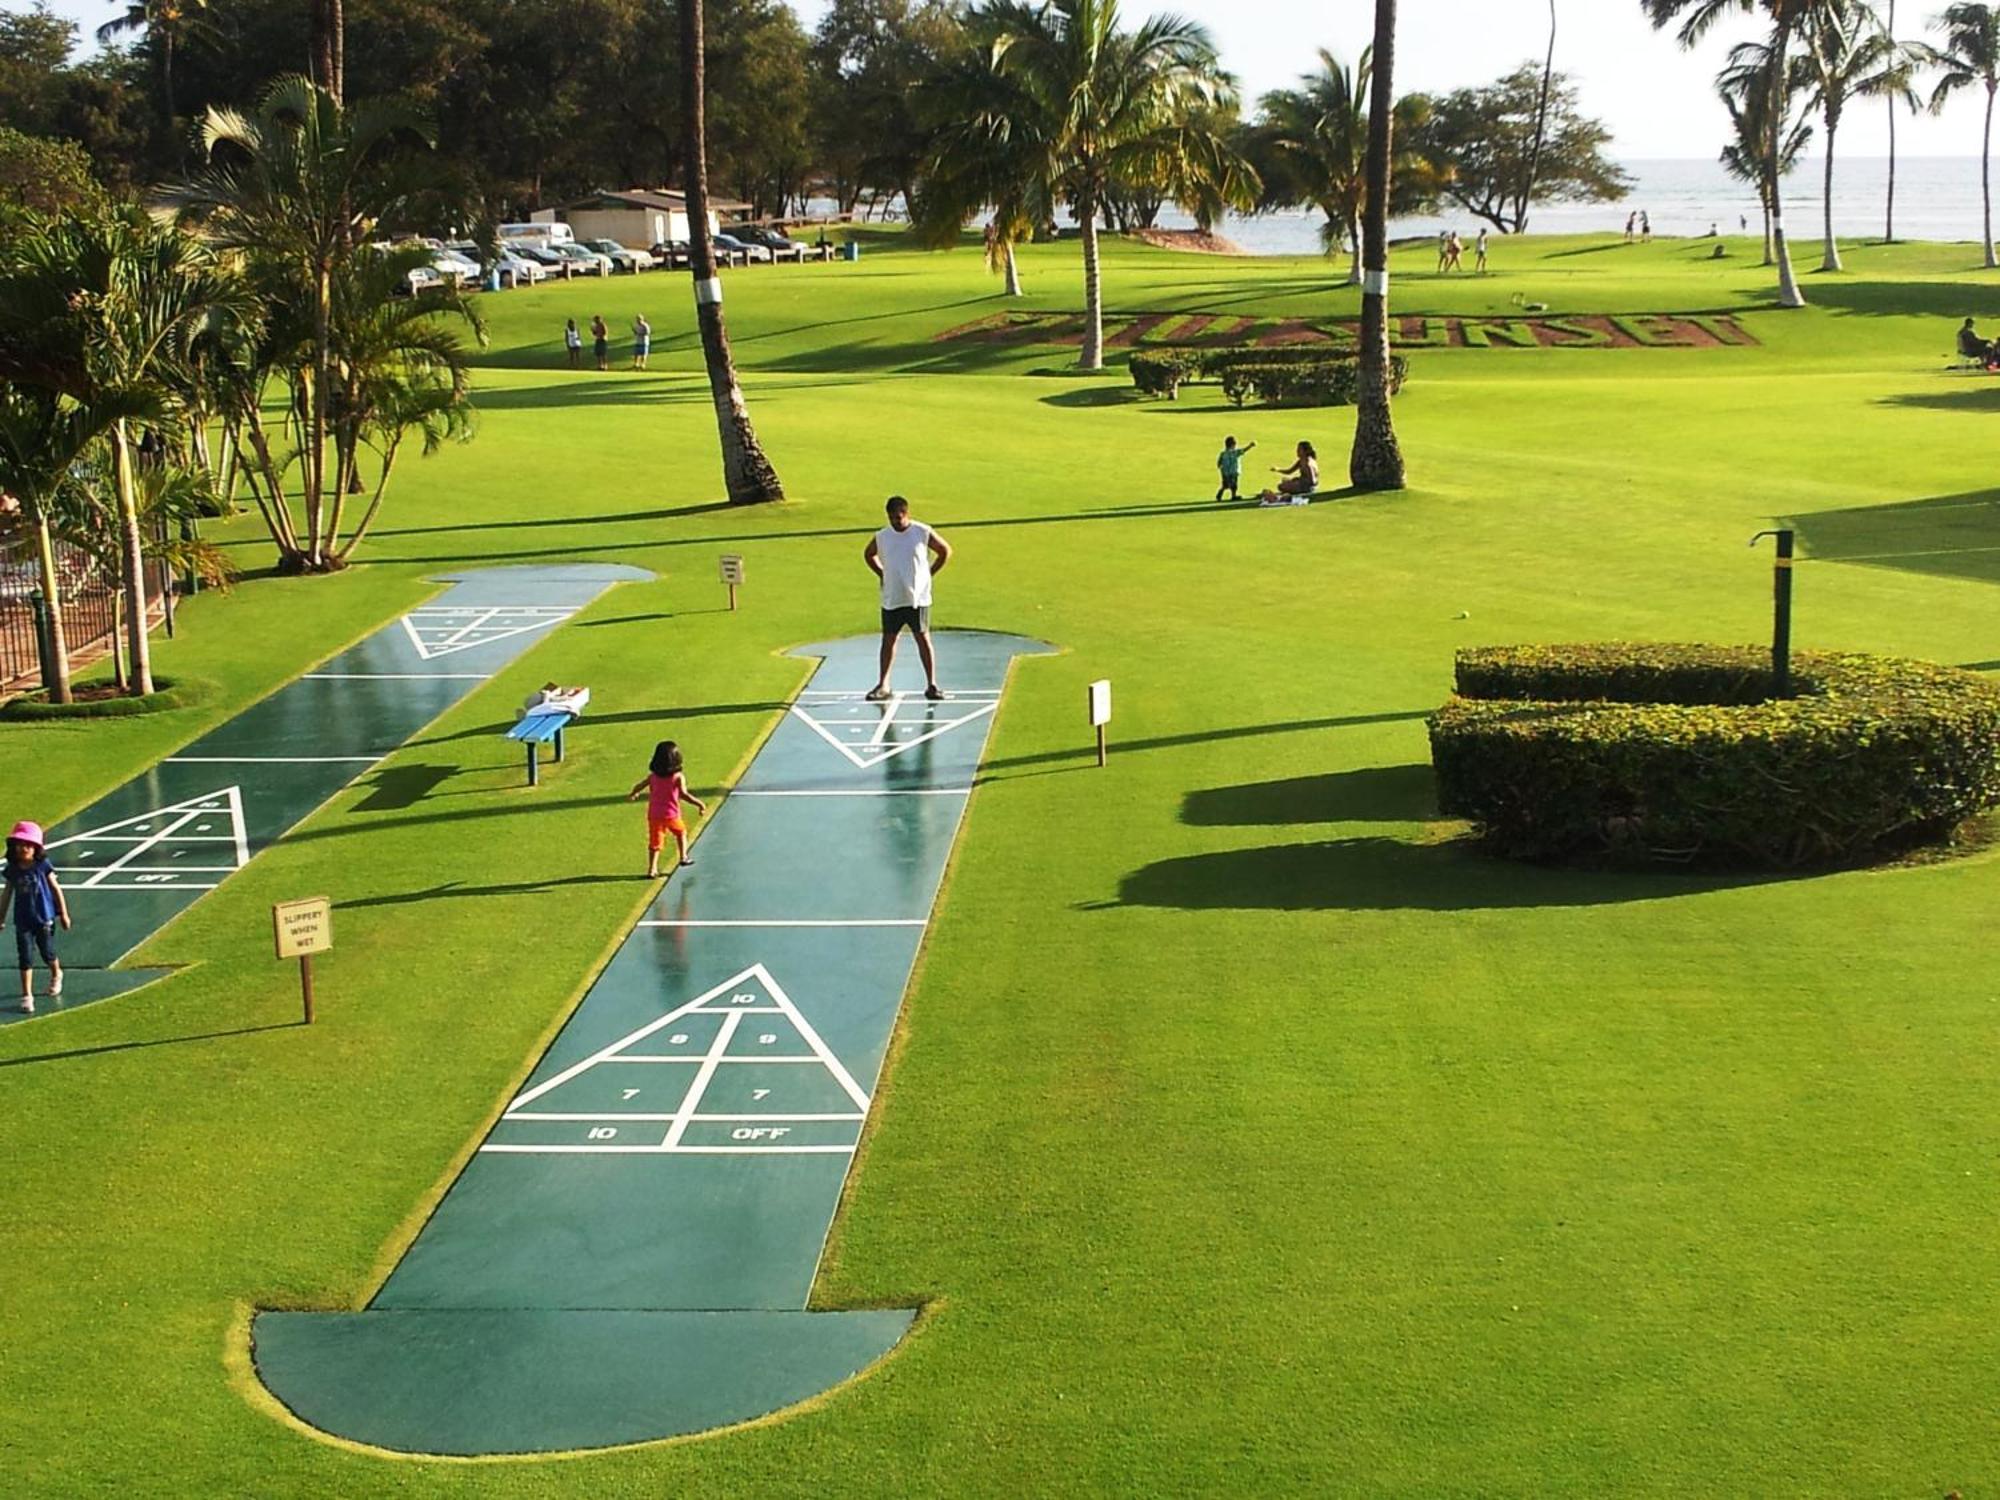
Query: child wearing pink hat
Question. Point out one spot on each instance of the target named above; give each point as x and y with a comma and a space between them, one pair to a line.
28, 884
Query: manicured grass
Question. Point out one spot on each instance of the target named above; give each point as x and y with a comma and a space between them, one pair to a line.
1246, 1133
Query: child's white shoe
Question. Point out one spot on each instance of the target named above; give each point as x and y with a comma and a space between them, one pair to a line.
27, 1005
55, 985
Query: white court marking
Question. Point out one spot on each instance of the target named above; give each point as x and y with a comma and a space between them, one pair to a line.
737, 1006
441, 630
879, 746
180, 828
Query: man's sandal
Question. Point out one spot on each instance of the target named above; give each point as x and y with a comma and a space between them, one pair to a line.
877, 695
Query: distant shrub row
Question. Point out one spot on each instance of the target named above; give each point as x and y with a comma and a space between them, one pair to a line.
1679, 753
1307, 375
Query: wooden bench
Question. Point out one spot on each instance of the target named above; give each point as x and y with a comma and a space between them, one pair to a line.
544, 724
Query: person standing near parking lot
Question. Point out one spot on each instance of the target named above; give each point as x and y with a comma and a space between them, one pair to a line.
642, 341
600, 335
905, 555
573, 342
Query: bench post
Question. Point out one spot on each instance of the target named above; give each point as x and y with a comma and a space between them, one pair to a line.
559, 744
534, 766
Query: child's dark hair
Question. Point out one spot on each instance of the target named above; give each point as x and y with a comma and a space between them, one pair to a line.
666, 758
1307, 450
1230, 441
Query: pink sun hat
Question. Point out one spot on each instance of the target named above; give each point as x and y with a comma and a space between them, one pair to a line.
28, 833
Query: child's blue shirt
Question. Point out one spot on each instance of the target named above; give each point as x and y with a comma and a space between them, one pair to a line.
1230, 462
34, 899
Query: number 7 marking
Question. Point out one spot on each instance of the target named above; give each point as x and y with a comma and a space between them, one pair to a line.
630, 1092
758, 1093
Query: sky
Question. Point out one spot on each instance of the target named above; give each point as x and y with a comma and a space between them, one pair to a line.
1657, 100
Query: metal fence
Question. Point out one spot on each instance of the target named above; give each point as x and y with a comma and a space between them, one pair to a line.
88, 595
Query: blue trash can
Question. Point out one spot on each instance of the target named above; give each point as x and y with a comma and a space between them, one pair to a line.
850, 251
493, 280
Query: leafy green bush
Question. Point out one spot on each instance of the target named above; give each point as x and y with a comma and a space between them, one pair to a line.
1678, 753
1162, 372
1324, 382
168, 693
1310, 374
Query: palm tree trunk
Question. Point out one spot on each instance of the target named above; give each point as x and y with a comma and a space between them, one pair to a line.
1889, 206
1770, 247
51, 582
1376, 462
1986, 179
132, 561
1354, 256
322, 376
1830, 261
375, 501
1013, 269
1093, 286
747, 475
1789, 294
167, 88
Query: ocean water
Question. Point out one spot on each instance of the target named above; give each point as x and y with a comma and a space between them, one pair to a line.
1937, 198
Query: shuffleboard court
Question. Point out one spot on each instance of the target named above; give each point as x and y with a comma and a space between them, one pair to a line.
137, 857
630, 1252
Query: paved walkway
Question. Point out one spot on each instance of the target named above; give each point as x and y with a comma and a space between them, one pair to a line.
136, 858
629, 1253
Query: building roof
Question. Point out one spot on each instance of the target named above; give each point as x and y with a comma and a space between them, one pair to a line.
660, 198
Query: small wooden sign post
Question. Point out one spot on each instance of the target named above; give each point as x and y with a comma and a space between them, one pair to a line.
732, 575
303, 928
1100, 712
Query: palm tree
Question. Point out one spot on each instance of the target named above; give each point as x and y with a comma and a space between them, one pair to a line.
1744, 87
1117, 107
747, 474
96, 310
295, 187
168, 23
989, 148
1971, 54
1376, 462
1696, 17
1311, 146
1846, 54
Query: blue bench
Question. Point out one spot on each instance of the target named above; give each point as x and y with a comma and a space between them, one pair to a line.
544, 725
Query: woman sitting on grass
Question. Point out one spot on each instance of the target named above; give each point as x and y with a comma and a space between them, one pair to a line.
1302, 478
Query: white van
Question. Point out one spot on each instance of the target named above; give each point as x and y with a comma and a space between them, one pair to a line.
547, 234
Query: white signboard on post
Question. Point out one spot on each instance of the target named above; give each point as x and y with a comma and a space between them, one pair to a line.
1100, 703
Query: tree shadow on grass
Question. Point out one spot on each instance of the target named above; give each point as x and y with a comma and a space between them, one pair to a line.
628, 716
1381, 794
1181, 508
640, 388
1950, 536
1094, 397
1980, 666
396, 788
617, 518
1895, 299
1982, 397
1383, 874
164, 1041
1009, 767
454, 889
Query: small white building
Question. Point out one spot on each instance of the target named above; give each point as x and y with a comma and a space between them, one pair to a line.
638, 218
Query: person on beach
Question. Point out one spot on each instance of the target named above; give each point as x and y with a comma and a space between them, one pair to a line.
1645, 228
1229, 464
906, 555
573, 342
1631, 225
1479, 253
664, 786
28, 884
642, 341
600, 338
1302, 478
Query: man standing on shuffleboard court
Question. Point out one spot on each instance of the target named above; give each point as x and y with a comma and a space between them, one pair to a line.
905, 555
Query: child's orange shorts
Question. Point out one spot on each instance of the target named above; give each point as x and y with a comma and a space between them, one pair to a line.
656, 832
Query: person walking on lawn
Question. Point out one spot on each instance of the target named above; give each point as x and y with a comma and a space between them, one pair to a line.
906, 555
28, 884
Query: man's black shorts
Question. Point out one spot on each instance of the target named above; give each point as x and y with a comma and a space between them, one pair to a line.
914, 617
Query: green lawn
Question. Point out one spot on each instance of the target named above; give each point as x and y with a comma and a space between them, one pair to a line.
1245, 1133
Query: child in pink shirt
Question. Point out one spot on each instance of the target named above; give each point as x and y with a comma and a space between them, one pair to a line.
664, 788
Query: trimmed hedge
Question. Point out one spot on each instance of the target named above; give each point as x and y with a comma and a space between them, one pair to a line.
168, 693
1678, 753
1310, 374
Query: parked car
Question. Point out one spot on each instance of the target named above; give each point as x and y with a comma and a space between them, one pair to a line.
514, 270
621, 258
771, 239
460, 270
587, 262
542, 255
671, 253
421, 279
735, 246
